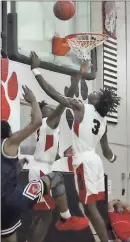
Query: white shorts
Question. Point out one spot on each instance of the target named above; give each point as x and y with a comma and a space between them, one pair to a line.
89, 179
39, 169
64, 164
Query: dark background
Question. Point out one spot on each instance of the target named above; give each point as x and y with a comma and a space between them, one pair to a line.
70, 236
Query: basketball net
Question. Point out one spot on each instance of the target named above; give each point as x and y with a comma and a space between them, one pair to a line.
82, 44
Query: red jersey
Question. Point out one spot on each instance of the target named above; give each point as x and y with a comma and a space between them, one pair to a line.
121, 224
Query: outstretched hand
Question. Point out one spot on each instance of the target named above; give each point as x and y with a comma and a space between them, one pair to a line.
35, 61
28, 95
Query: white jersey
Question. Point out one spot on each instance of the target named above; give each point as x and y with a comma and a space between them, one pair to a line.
47, 143
87, 134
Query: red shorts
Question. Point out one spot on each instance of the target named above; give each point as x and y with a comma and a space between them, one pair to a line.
47, 204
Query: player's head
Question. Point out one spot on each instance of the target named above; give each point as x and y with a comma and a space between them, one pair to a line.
118, 207
104, 101
46, 109
5, 129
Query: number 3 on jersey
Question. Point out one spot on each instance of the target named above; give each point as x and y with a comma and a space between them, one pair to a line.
96, 127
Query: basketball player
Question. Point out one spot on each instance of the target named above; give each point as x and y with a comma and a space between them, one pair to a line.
89, 128
15, 198
44, 157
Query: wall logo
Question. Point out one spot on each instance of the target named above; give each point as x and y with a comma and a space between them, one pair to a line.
9, 89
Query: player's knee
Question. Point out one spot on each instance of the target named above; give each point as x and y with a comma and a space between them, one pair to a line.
59, 177
59, 190
57, 184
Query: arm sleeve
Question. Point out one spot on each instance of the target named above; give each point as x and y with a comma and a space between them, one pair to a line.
24, 198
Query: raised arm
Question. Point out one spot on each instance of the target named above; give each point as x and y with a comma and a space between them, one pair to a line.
54, 118
66, 101
106, 150
12, 143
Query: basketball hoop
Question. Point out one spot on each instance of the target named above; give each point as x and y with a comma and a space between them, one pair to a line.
82, 43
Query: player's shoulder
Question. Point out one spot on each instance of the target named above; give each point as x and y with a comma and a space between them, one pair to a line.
89, 107
47, 129
127, 211
44, 120
103, 122
43, 126
102, 119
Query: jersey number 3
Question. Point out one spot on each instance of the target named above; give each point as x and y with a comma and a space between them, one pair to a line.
96, 127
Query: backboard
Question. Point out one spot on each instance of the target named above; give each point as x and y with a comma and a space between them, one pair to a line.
36, 27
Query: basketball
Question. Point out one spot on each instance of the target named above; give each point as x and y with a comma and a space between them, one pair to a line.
64, 10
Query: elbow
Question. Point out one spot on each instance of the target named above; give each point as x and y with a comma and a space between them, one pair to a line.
107, 153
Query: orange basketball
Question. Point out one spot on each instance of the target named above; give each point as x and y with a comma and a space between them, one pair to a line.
64, 10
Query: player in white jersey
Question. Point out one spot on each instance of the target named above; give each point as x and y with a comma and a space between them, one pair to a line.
89, 128
44, 157
46, 145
